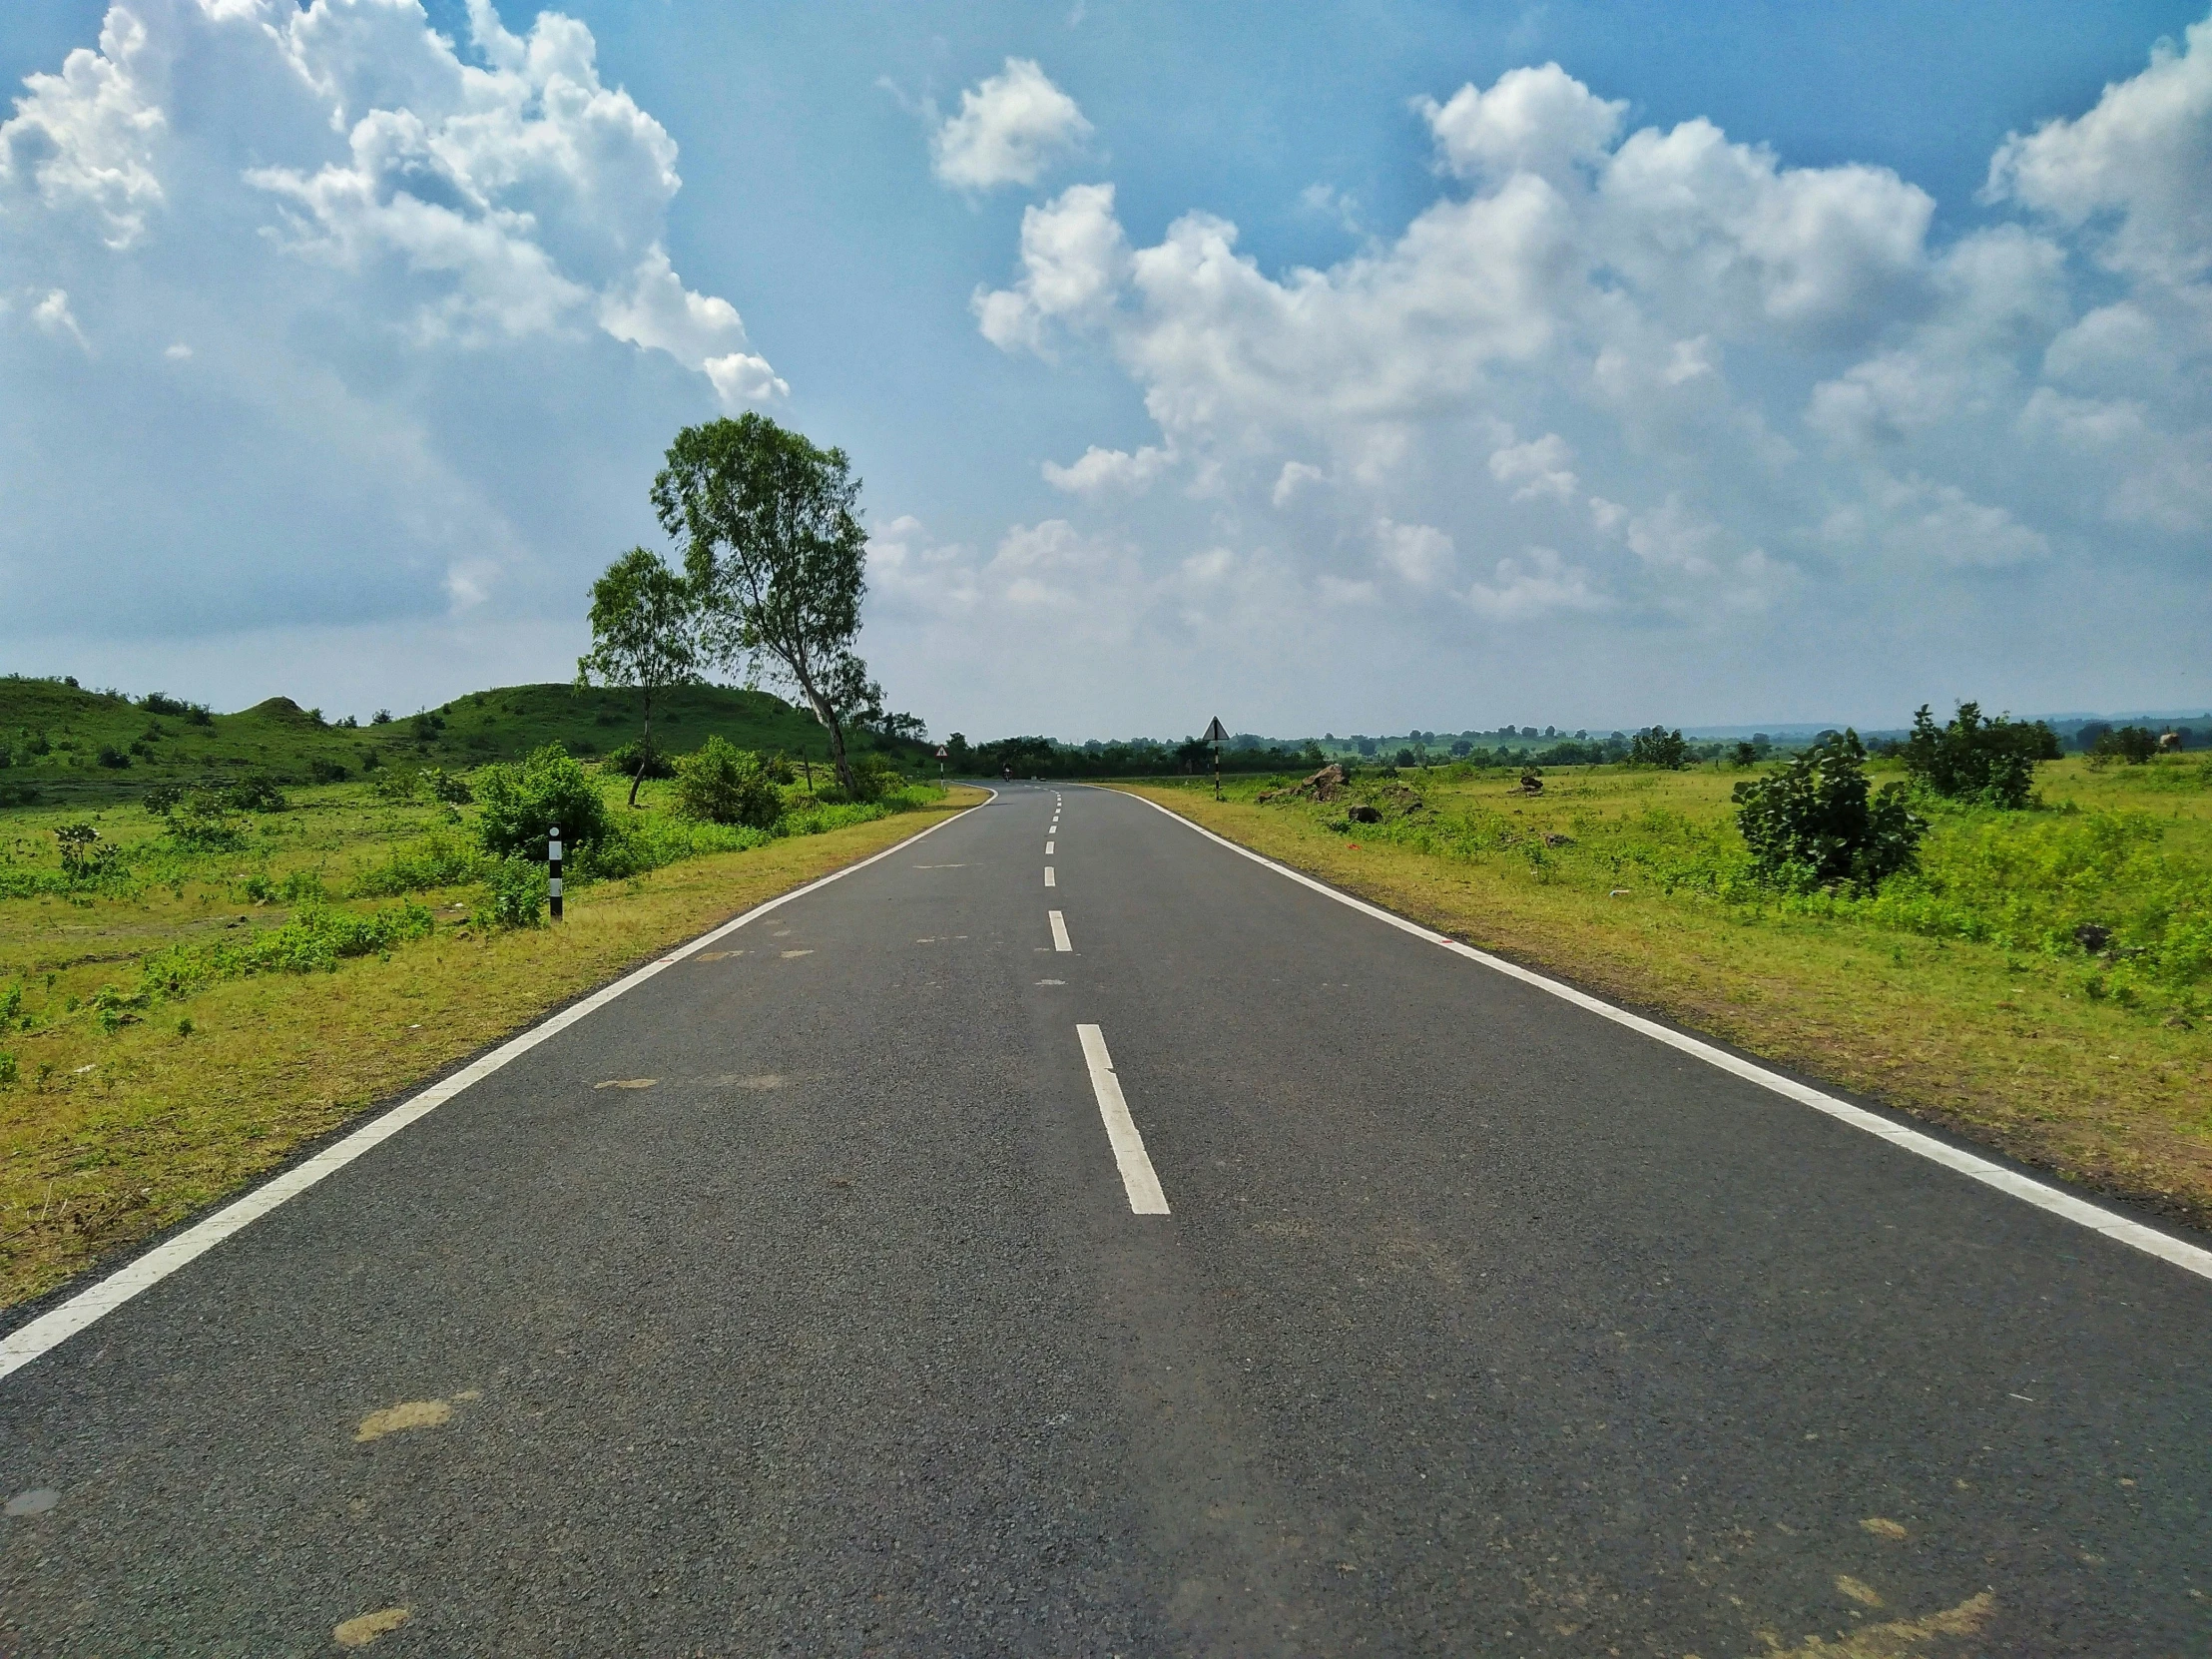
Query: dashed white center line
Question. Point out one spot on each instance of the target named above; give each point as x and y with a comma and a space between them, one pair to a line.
1138, 1178
1048, 881
1059, 930
1048, 850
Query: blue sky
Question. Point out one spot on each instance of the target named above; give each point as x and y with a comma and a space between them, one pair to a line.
1389, 365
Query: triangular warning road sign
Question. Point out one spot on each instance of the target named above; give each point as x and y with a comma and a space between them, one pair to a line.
1214, 732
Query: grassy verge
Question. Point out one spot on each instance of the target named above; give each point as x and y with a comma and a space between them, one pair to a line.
1967, 1001
114, 1129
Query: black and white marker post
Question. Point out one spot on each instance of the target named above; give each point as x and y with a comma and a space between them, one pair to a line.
1216, 736
553, 869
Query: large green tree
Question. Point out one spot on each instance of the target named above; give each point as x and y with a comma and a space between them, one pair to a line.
644, 634
774, 552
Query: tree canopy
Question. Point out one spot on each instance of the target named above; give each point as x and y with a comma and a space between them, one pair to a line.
644, 633
776, 560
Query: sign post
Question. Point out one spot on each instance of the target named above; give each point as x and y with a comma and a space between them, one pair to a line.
553, 869
940, 762
1217, 737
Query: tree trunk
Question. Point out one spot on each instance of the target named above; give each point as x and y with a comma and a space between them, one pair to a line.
645, 749
838, 758
828, 718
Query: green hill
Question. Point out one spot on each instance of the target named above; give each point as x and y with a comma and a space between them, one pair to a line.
62, 742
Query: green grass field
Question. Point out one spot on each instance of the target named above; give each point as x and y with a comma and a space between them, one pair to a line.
52, 736
176, 1020
1961, 993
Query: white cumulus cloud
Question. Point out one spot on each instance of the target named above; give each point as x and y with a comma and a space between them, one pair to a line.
1008, 131
425, 289
84, 139
1755, 383
1102, 471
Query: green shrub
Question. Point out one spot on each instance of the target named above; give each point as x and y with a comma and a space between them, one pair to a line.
514, 895
8, 1072
723, 784
254, 792
873, 777
110, 756
625, 758
2133, 743
1973, 758
302, 887
1655, 746
446, 787
438, 860
1812, 824
326, 771
200, 825
519, 803
315, 939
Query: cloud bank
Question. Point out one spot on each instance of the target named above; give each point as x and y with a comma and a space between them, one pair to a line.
325, 278
1643, 386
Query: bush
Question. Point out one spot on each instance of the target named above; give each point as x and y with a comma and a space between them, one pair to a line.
201, 826
1812, 824
624, 758
110, 756
254, 792
438, 860
1657, 746
1972, 759
520, 802
2133, 743
873, 777
514, 895
446, 787
723, 784
315, 940
326, 770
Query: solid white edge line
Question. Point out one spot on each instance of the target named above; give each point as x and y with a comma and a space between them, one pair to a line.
1138, 1178
1059, 930
2188, 1257
58, 1323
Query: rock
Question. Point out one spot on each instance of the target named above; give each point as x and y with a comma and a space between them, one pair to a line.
1361, 812
1551, 839
1325, 785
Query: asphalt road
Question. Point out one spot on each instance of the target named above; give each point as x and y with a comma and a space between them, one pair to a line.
1479, 1325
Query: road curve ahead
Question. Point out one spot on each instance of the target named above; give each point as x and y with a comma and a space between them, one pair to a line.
1149, 1257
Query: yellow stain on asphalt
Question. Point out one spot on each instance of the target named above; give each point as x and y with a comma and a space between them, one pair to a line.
788, 954
412, 1413
1898, 1639
1882, 1527
761, 1080
716, 955
360, 1632
1859, 1591
627, 1083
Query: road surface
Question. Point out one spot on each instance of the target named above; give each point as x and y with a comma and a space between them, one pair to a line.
810, 1298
